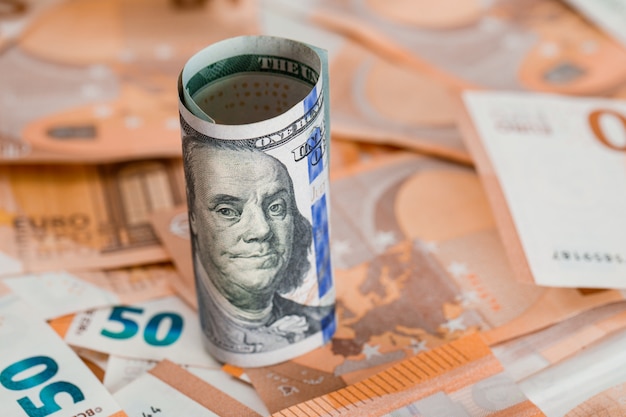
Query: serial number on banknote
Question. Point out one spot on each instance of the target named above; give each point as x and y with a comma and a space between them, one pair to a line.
582, 256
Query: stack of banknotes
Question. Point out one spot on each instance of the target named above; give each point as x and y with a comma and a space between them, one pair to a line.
468, 226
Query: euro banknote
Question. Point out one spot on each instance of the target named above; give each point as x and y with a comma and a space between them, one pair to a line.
40, 375
607, 15
73, 216
586, 382
103, 87
561, 224
17, 16
529, 354
409, 228
514, 45
122, 371
609, 403
168, 390
55, 294
164, 328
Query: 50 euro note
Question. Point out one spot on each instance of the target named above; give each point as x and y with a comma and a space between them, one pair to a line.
419, 262
541, 45
40, 375
102, 87
71, 217
553, 167
165, 328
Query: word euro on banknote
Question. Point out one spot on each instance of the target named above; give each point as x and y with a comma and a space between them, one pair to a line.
76, 216
554, 170
255, 124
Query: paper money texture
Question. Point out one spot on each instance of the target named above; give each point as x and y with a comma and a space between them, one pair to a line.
255, 135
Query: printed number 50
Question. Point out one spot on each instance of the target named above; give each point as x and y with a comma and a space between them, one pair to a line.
150, 333
47, 394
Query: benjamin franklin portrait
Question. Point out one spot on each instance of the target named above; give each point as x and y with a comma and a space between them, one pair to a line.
250, 245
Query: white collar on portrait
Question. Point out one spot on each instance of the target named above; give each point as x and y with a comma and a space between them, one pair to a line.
242, 317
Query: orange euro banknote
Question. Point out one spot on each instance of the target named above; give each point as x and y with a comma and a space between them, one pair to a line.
96, 81
169, 389
71, 217
541, 45
461, 378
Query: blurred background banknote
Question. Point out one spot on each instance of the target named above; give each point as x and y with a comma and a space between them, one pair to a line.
96, 81
575, 237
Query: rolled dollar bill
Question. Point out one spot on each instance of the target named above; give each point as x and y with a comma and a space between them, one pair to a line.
255, 138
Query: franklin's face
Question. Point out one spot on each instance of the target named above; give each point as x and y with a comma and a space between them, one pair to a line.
242, 217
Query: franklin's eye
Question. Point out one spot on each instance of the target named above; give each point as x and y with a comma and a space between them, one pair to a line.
277, 209
227, 212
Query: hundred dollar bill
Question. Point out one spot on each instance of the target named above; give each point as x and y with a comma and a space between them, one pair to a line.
541, 45
255, 132
554, 170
